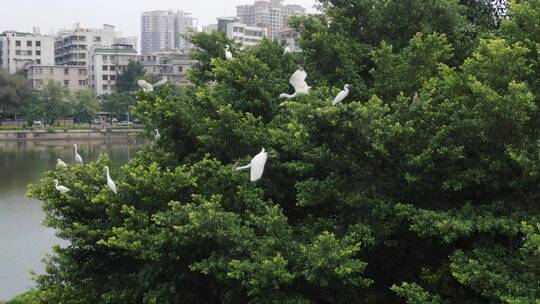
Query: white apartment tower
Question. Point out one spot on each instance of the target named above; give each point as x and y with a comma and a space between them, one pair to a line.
269, 14
157, 31
17, 50
184, 23
73, 46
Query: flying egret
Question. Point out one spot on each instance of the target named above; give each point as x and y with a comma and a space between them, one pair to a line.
298, 81
110, 182
78, 158
287, 50
60, 189
342, 95
228, 54
157, 136
257, 166
60, 163
148, 87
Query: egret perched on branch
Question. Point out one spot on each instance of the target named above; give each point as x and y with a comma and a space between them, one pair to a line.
60, 163
228, 54
298, 81
341, 96
60, 189
416, 98
110, 182
157, 136
148, 87
257, 166
78, 158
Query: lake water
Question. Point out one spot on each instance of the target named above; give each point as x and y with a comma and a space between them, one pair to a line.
24, 241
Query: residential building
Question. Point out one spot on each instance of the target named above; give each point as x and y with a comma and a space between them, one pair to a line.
17, 50
245, 34
168, 65
128, 40
72, 77
73, 46
105, 65
269, 14
184, 24
223, 23
210, 28
157, 31
290, 37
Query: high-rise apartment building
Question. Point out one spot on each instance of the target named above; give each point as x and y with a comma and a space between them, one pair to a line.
17, 50
269, 14
184, 24
157, 31
72, 46
106, 64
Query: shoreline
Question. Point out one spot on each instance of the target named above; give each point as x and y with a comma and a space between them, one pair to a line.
75, 134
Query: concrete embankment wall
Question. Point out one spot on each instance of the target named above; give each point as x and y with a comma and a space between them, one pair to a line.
69, 134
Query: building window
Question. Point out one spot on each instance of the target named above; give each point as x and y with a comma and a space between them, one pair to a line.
105, 87
112, 68
104, 68
105, 57
38, 61
38, 43
105, 77
17, 43
29, 43
112, 77
51, 71
82, 82
38, 53
97, 39
66, 71
82, 72
66, 83
180, 69
17, 52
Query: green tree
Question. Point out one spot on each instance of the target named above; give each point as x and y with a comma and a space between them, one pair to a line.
127, 80
86, 106
51, 103
385, 198
14, 92
118, 104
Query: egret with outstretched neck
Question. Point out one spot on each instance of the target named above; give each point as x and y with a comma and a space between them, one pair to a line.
228, 54
148, 87
341, 96
256, 165
78, 158
157, 136
61, 189
110, 182
298, 81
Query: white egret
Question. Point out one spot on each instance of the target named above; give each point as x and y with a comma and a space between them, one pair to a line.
257, 166
416, 98
157, 136
60, 163
298, 81
110, 182
228, 54
341, 96
78, 158
242, 48
148, 87
60, 189
287, 50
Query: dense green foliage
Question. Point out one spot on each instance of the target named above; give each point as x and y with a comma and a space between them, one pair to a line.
127, 80
13, 92
383, 199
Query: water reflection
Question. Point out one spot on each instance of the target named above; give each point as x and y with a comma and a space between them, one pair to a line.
23, 239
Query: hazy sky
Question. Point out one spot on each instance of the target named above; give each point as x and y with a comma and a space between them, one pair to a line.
22, 15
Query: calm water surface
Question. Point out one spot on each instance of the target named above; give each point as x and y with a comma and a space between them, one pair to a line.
24, 241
